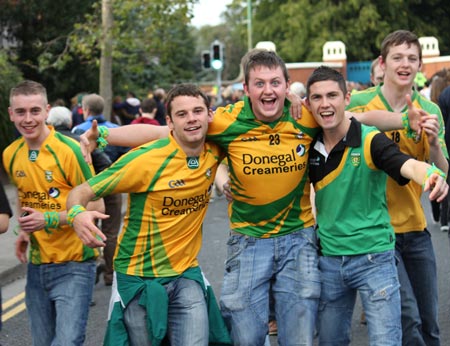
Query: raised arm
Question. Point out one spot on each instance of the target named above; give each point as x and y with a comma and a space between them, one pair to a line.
387, 121
127, 136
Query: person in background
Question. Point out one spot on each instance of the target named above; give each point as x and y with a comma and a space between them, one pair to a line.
44, 166
77, 109
148, 113
357, 240
444, 105
159, 96
376, 73
439, 210
298, 88
5, 214
129, 109
401, 59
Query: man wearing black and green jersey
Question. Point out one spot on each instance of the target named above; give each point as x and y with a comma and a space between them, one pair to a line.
401, 59
349, 162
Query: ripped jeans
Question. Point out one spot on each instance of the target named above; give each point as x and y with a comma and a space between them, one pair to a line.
288, 267
375, 277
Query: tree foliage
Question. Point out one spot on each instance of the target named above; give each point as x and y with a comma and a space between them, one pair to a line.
9, 77
300, 28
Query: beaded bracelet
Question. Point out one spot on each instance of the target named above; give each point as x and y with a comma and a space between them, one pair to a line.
433, 169
103, 132
74, 211
51, 221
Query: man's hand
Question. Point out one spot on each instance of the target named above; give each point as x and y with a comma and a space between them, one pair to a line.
296, 105
88, 141
430, 125
416, 116
31, 220
226, 189
21, 246
438, 186
87, 231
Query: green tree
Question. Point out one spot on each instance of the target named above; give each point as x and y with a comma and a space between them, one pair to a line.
38, 29
9, 77
300, 28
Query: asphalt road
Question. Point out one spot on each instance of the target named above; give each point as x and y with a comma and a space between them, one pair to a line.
15, 329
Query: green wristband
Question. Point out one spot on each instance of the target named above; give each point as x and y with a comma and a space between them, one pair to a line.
103, 132
51, 221
74, 211
433, 169
408, 130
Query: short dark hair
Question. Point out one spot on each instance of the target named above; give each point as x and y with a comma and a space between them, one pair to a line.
262, 57
28, 87
397, 38
148, 105
325, 73
185, 89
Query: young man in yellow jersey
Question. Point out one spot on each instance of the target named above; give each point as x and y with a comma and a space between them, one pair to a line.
45, 165
169, 184
401, 59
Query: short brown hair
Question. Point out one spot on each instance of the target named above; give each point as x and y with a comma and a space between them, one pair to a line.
28, 87
185, 89
262, 57
397, 38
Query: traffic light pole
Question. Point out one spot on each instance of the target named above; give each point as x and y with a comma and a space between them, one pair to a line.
219, 86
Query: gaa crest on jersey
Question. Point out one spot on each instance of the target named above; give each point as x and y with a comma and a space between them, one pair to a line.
192, 162
54, 192
300, 150
49, 176
355, 159
32, 155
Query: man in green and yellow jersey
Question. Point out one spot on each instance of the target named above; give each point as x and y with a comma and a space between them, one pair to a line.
45, 165
169, 184
401, 59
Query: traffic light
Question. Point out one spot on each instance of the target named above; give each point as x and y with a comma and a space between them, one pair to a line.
217, 55
206, 59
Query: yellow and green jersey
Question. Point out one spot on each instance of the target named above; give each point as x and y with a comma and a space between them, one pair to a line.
44, 179
268, 169
168, 195
404, 203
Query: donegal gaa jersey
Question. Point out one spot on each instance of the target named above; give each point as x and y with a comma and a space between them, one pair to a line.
168, 195
268, 169
403, 201
44, 179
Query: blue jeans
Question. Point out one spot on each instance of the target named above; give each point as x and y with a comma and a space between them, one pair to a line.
57, 299
374, 276
289, 266
419, 290
188, 316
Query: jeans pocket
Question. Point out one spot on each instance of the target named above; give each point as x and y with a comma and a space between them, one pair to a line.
232, 265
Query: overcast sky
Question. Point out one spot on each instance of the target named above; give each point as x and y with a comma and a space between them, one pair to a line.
207, 12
